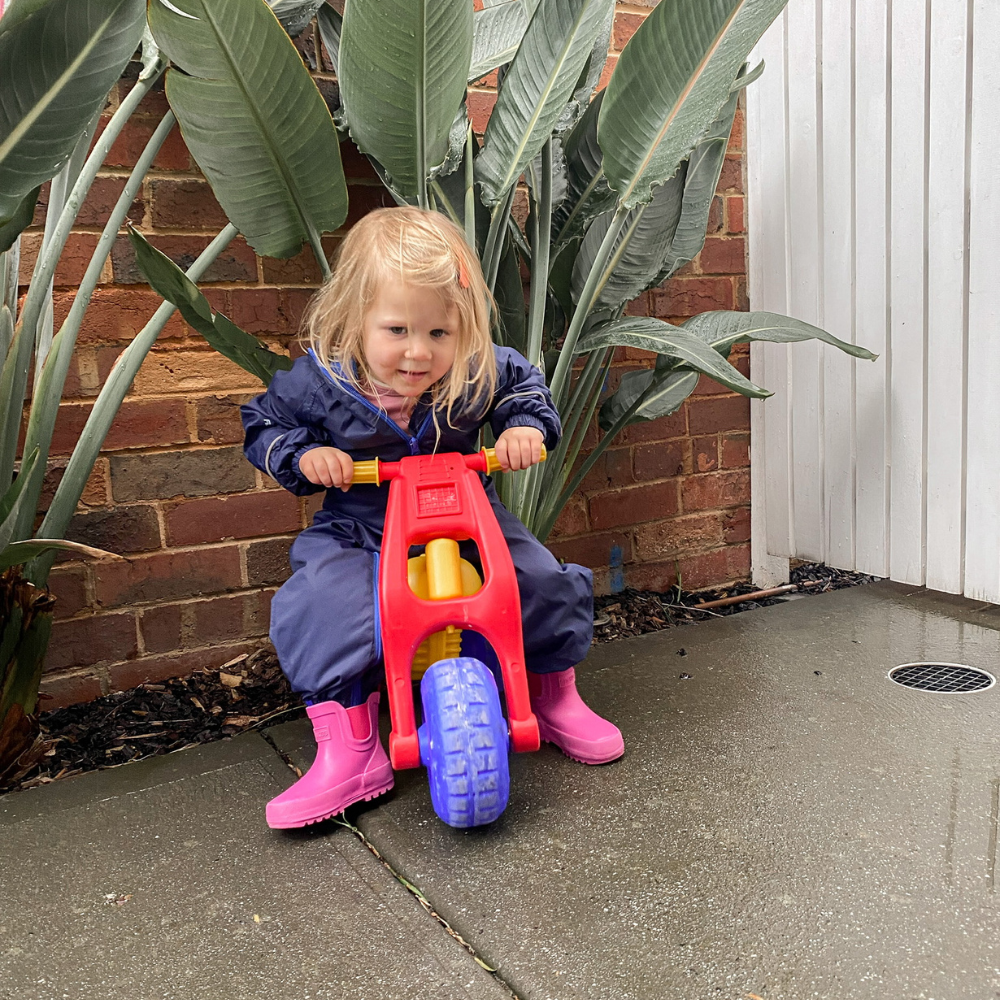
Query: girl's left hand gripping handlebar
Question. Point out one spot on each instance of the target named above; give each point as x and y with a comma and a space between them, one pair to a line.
377, 472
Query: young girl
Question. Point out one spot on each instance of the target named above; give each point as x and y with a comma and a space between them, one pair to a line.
401, 363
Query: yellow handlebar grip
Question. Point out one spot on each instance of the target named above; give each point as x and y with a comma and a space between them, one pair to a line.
493, 463
366, 472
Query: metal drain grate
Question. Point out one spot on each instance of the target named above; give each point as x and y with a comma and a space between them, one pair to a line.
942, 678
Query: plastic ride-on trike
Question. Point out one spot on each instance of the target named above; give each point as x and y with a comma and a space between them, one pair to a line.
425, 604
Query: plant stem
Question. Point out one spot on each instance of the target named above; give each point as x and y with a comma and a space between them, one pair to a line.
560, 378
581, 201
494, 239
49, 383
105, 410
15, 372
541, 235
470, 190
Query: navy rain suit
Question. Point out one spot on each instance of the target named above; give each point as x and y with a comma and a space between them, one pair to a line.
324, 620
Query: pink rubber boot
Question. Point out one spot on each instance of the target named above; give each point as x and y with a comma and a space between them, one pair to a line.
350, 765
564, 719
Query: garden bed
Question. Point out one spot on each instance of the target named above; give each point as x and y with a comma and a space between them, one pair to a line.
251, 692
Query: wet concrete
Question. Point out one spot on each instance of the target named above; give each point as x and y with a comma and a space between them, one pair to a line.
160, 881
786, 824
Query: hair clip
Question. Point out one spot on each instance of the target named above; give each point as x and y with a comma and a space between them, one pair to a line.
463, 275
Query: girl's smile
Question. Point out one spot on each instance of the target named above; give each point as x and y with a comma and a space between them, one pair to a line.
410, 336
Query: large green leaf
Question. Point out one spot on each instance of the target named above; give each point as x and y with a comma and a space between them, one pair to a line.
497, 32
662, 392
58, 60
167, 279
236, 79
295, 15
721, 329
403, 71
590, 76
700, 182
509, 293
330, 24
539, 82
587, 190
671, 81
648, 334
19, 220
13, 499
639, 250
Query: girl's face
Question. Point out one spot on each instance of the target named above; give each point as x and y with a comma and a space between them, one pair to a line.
410, 336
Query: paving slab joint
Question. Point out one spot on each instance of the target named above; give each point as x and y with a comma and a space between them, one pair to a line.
342, 820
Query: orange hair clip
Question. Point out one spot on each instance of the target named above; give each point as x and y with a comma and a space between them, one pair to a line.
463, 275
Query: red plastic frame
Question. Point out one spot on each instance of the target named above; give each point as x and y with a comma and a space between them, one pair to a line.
440, 496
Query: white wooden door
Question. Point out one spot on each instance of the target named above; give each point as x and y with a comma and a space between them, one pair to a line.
874, 211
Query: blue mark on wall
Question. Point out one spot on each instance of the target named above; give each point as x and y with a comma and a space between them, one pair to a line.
617, 574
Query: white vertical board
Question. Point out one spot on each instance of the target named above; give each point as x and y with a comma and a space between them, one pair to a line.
871, 302
982, 514
890, 203
837, 273
947, 291
804, 288
770, 541
907, 290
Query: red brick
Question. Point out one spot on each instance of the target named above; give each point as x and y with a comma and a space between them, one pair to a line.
736, 525
572, 519
731, 178
480, 106
132, 140
735, 450
609, 68
716, 489
226, 619
161, 627
82, 642
737, 132
706, 569
591, 550
165, 576
218, 418
185, 204
155, 100
363, 198
73, 261
660, 429
244, 515
101, 199
69, 584
662, 460
150, 669
196, 472
236, 263
356, 165
258, 310
62, 690
658, 577
718, 413
742, 296
678, 536
134, 528
715, 213
295, 302
632, 506
115, 314
625, 27
640, 306
734, 213
140, 423
705, 452
267, 561
724, 255
691, 296
302, 269
709, 387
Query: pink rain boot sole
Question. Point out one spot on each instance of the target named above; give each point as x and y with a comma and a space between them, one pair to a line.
332, 803
567, 745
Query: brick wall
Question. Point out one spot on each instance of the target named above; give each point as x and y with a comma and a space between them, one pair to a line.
207, 536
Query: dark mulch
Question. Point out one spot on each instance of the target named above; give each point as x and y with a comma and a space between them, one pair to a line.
252, 692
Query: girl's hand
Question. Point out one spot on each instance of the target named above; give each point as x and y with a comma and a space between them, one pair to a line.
519, 448
328, 467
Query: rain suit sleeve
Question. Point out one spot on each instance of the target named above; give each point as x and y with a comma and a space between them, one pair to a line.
281, 424
522, 399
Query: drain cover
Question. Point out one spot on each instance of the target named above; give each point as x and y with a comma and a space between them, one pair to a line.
942, 678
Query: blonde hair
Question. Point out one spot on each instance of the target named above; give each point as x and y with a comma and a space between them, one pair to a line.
423, 248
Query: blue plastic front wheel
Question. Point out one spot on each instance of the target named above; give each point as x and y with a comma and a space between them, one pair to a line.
464, 742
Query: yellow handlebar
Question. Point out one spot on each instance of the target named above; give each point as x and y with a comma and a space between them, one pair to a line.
368, 472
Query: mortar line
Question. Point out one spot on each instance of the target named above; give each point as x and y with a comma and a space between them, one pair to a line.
424, 902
